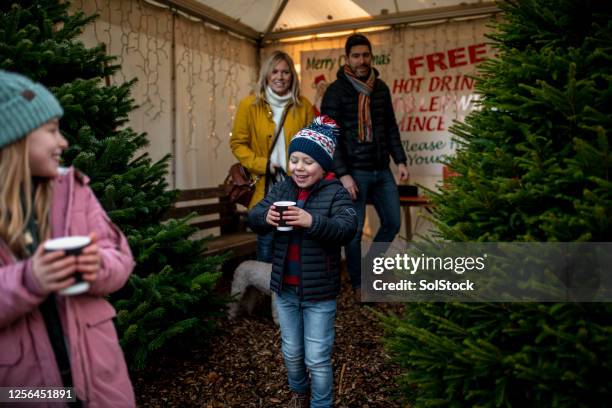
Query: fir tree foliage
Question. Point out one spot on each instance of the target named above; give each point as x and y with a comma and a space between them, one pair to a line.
182, 297
36, 37
534, 165
169, 298
535, 160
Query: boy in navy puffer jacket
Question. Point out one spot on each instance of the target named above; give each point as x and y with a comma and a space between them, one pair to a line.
305, 271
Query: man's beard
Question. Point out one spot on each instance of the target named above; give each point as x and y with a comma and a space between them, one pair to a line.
367, 74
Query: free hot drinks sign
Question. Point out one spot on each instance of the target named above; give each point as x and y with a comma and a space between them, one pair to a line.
437, 89
431, 86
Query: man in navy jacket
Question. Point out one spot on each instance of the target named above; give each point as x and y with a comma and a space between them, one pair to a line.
361, 104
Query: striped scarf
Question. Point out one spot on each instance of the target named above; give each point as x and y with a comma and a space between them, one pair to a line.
364, 120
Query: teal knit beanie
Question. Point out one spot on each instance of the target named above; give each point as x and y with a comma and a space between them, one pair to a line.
24, 107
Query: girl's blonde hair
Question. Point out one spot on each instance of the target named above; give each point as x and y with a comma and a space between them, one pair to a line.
266, 69
16, 198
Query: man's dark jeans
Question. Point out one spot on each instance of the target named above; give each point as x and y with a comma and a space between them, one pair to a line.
380, 187
265, 247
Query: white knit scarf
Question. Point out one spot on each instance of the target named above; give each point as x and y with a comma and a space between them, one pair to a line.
277, 103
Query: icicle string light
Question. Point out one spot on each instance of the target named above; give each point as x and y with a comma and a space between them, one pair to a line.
139, 34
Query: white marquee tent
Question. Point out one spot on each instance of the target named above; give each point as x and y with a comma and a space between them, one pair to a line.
195, 60
274, 19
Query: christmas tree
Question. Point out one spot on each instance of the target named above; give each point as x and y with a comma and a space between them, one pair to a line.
534, 165
170, 295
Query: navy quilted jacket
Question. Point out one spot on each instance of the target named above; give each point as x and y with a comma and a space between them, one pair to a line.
340, 103
334, 223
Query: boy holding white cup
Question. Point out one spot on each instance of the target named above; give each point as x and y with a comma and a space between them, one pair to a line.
306, 259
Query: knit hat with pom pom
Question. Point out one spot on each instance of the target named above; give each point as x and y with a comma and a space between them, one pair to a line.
318, 140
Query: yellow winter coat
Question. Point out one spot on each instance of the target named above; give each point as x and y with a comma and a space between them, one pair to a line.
253, 132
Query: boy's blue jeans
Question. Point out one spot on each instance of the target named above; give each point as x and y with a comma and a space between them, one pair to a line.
380, 186
307, 333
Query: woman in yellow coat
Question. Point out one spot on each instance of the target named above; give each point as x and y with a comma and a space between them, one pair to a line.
277, 96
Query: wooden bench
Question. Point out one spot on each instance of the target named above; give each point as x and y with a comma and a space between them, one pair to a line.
225, 218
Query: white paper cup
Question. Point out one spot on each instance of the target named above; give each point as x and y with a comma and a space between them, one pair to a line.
281, 207
73, 245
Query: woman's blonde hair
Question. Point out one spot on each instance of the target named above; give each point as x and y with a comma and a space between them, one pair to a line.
16, 198
266, 69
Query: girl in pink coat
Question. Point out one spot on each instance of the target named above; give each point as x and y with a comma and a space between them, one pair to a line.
48, 339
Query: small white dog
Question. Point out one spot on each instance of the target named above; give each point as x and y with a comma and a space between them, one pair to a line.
251, 273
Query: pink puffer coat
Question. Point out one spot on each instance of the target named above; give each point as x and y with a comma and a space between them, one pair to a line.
99, 371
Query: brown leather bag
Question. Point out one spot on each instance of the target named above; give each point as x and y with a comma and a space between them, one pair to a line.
239, 185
